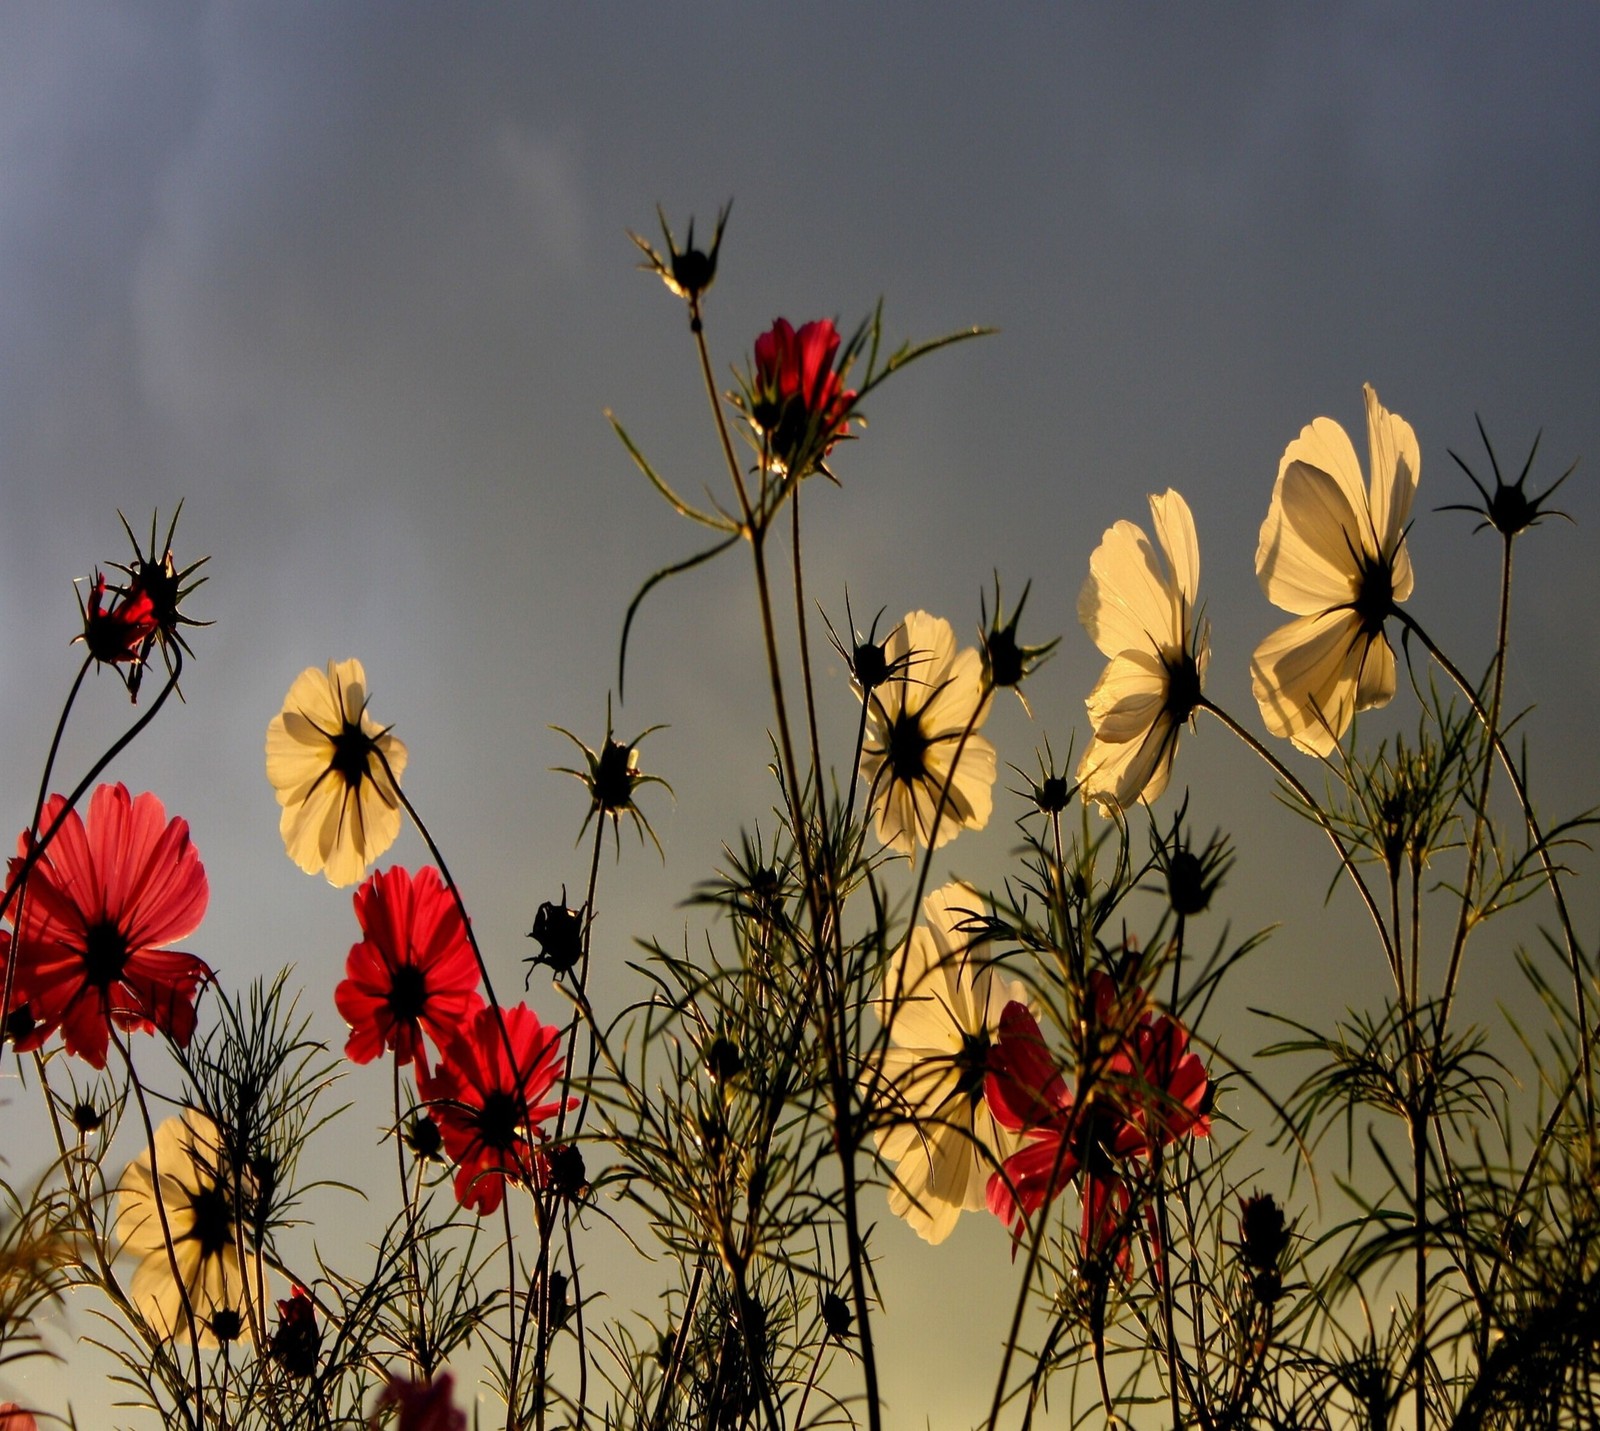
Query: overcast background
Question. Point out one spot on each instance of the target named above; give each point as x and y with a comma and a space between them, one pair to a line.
354, 284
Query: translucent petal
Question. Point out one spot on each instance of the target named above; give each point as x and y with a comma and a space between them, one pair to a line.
1174, 525
1396, 462
1304, 678
1307, 558
1127, 601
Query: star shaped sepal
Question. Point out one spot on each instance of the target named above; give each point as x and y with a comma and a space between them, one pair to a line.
1508, 509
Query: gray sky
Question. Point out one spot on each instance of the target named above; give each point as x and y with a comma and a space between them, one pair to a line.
353, 282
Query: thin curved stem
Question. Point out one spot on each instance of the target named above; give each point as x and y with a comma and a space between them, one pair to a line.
1346, 862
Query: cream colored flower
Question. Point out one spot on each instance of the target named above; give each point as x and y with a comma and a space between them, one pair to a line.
942, 1008
915, 723
1333, 553
198, 1198
326, 759
1139, 610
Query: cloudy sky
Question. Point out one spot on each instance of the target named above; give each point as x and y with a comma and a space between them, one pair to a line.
354, 284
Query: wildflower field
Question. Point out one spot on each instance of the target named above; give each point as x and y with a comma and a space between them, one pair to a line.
1162, 992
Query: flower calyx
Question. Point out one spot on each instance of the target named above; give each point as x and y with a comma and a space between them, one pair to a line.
1006, 661
1509, 509
688, 272
559, 931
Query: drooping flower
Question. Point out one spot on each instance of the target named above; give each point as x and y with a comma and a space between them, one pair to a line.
942, 1008
199, 1195
916, 721
297, 1339
488, 1108
1138, 608
117, 627
798, 403
1333, 553
101, 902
335, 770
413, 971
424, 1405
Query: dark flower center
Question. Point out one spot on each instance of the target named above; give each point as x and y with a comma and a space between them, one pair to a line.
1051, 796
1183, 686
408, 993
972, 1063
352, 747
105, 953
498, 1120
614, 777
213, 1220
870, 664
1375, 596
1005, 657
1186, 883
908, 748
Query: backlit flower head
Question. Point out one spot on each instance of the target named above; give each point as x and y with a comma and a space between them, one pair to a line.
334, 770
1333, 553
117, 628
942, 1007
488, 1109
1139, 609
198, 1194
918, 720
414, 970
102, 901
796, 399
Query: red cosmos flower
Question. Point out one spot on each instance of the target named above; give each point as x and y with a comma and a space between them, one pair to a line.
424, 1405
117, 625
14, 1418
415, 969
798, 403
99, 903
487, 1110
1140, 1089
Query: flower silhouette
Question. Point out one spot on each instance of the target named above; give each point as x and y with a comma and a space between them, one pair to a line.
1333, 553
1139, 610
335, 771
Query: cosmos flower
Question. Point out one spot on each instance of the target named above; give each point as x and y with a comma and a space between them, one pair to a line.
326, 759
198, 1196
101, 901
942, 1009
915, 721
487, 1121
118, 627
14, 1418
1333, 553
797, 402
1138, 608
424, 1405
1139, 1089
414, 969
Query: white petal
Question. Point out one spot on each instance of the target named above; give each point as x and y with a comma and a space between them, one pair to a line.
1304, 678
1308, 556
1396, 462
1127, 602
1174, 524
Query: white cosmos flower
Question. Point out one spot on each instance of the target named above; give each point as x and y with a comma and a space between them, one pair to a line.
1333, 553
915, 723
334, 770
1139, 610
199, 1202
942, 1008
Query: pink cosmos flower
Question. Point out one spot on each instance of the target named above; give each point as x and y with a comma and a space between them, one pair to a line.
798, 402
100, 903
1139, 1089
424, 1405
487, 1109
414, 970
